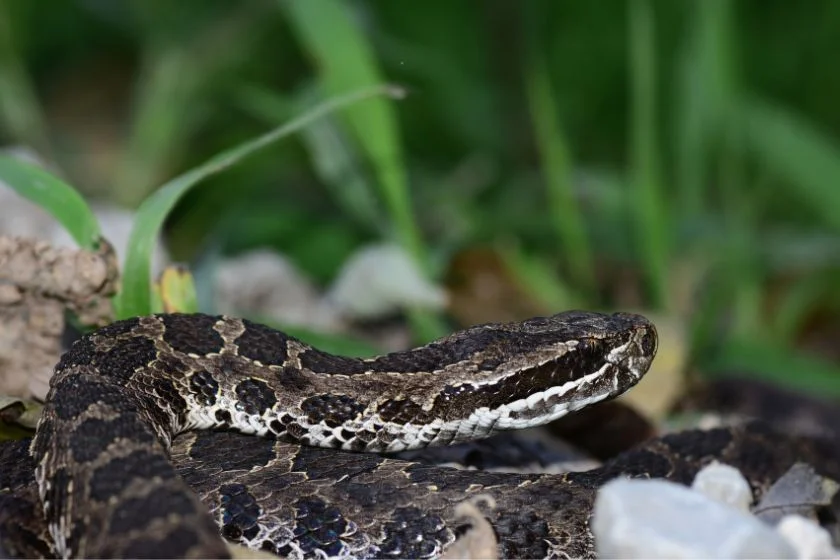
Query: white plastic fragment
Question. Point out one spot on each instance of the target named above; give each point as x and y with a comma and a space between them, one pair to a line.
724, 484
660, 519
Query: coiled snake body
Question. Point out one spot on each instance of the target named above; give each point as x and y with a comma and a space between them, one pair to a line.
104, 449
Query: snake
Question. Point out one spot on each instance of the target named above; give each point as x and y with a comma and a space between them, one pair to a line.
146, 446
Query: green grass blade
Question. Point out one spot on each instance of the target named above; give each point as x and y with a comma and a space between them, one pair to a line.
807, 159
650, 211
346, 61
172, 88
771, 362
20, 113
335, 160
135, 298
707, 86
556, 162
53, 195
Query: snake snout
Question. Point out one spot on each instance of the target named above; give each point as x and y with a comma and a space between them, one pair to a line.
642, 350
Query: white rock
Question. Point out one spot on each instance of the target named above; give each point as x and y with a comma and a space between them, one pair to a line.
724, 484
809, 539
660, 519
381, 279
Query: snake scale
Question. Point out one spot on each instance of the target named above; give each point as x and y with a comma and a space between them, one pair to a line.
141, 450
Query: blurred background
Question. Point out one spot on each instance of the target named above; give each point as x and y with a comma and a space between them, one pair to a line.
674, 158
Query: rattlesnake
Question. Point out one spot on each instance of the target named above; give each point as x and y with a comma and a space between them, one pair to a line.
115, 480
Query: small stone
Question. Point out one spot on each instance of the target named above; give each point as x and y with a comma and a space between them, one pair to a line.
268, 284
381, 279
809, 539
660, 519
801, 491
724, 484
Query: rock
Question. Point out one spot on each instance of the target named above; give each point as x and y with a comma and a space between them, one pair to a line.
379, 280
263, 283
724, 484
661, 519
800, 491
809, 539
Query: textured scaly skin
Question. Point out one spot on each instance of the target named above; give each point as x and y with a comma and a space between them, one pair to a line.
121, 394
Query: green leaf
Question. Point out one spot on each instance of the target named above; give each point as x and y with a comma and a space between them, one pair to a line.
21, 116
707, 88
539, 278
346, 61
650, 209
53, 195
771, 362
135, 299
335, 160
796, 150
555, 157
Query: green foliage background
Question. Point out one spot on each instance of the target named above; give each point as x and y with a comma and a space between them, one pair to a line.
574, 136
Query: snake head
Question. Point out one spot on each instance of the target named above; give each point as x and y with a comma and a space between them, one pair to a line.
529, 373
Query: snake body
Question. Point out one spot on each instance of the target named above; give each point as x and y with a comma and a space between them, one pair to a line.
117, 480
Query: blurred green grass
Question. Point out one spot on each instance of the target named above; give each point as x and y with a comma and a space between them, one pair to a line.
577, 138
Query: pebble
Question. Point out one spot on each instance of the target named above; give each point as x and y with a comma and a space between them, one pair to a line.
724, 484
661, 519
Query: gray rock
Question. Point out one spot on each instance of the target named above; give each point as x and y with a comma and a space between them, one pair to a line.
800, 491
660, 519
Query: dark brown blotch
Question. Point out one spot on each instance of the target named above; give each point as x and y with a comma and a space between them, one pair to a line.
334, 410
127, 356
192, 334
139, 512
522, 534
262, 344
404, 412
254, 396
110, 479
73, 395
93, 436
292, 379
329, 364
204, 387
81, 353
117, 328
319, 527
411, 533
